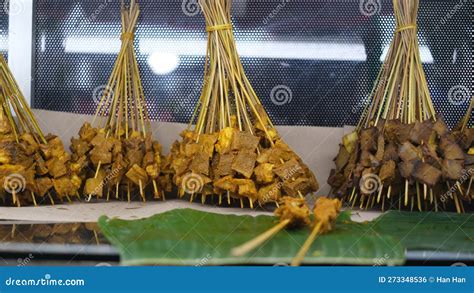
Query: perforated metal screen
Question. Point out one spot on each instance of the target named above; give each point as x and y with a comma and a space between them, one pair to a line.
326, 54
4, 8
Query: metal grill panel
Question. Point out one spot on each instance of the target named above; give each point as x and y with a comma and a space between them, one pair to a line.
325, 53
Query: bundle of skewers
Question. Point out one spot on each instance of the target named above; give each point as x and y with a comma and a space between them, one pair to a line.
402, 154
465, 136
231, 148
115, 155
294, 213
34, 168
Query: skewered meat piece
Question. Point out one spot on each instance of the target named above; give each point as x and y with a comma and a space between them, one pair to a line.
440, 127
56, 167
391, 152
149, 158
452, 169
368, 160
153, 171
5, 126
245, 141
406, 169
224, 141
290, 169
268, 194
30, 140
388, 171
449, 149
397, 132
409, 152
87, 132
244, 163
8, 152
134, 156
227, 184
207, 143
79, 147
326, 212
422, 132
350, 141
101, 154
295, 187
43, 185
136, 174
295, 210
94, 187
223, 166
280, 151
342, 158
41, 167
426, 174
264, 173
64, 187
247, 189
200, 164
379, 155
368, 139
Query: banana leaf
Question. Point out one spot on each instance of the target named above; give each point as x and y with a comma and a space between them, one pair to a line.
190, 237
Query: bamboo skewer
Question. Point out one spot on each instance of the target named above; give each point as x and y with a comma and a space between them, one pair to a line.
122, 116
325, 213
293, 212
258, 241
400, 94
228, 106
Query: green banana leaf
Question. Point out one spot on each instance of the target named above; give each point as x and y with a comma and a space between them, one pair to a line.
190, 237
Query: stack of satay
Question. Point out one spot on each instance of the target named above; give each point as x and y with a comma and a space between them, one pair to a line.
116, 156
231, 149
465, 136
33, 168
402, 154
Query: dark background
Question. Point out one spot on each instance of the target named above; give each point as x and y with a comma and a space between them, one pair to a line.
324, 92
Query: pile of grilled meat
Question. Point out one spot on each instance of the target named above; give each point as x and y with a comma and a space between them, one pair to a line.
238, 165
465, 139
422, 153
29, 169
111, 165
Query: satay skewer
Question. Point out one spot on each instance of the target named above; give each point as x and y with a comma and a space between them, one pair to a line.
293, 213
325, 214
